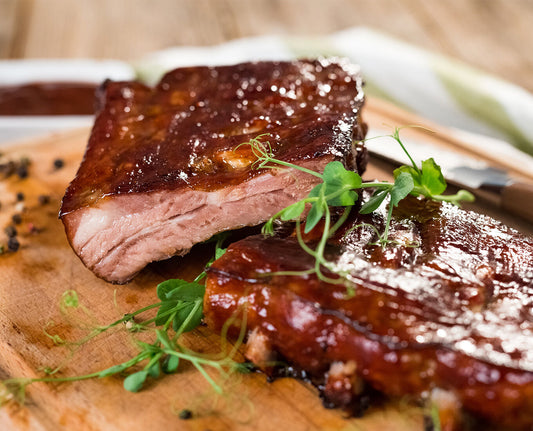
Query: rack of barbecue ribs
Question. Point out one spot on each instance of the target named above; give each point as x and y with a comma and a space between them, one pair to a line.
444, 311
164, 168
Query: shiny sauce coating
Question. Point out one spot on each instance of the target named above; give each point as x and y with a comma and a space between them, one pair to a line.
185, 131
449, 306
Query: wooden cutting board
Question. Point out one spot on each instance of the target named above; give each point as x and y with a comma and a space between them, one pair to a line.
33, 280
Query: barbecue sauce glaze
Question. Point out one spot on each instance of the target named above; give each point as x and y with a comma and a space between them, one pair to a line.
453, 312
185, 131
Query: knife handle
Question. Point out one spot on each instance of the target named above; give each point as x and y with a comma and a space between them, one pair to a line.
517, 198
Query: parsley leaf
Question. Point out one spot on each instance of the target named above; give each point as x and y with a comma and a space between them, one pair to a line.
432, 179
374, 202
170, 364
292, 212
134, 382
403, 185
180, 304
340, 183
317, 208
177, 289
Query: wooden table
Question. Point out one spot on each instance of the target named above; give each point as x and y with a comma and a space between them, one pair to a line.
494, 35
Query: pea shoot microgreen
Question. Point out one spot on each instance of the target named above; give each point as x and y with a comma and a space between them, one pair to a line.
179, 310
339, 188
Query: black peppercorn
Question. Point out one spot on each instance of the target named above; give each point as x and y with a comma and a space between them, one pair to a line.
59, 163
8, 168
185, 414
20, 197
22, 171
43, 199
10, 231
13, 244
16, 218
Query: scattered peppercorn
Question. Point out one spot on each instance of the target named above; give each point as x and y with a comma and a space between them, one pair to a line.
8, 168
22, 171
10, 231
13, 244
185, 414
20, 197
11, 167
16, 218
43, 199
59, 163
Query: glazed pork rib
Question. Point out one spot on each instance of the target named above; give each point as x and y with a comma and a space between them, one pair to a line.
163, 169
453, 314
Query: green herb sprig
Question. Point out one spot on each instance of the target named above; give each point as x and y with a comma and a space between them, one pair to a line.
339, 188
179, 311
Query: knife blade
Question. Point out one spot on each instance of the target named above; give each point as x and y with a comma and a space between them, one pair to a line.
477, 176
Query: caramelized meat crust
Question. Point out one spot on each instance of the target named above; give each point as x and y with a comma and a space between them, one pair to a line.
163, 169
183, 133
452, 313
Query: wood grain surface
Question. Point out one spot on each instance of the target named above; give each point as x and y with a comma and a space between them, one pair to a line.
34, 279
494, 35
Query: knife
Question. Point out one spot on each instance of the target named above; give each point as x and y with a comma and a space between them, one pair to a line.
475, 175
